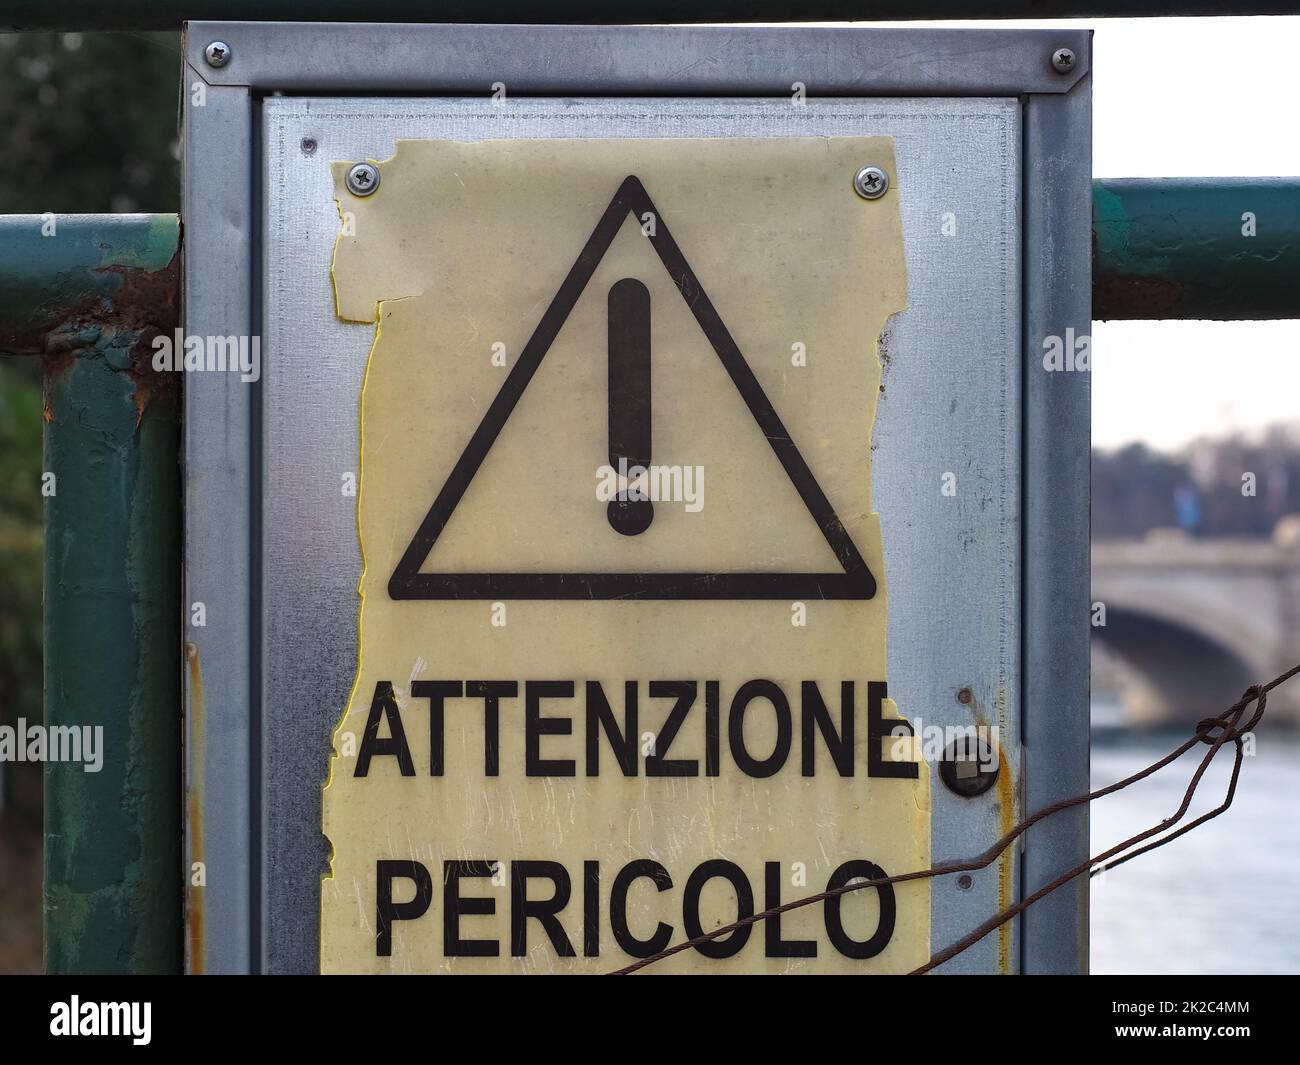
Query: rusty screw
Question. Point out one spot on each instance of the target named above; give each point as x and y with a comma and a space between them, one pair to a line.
965, 696
217, 54
1064, 60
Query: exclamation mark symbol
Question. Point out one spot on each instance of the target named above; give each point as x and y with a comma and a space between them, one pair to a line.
629, 399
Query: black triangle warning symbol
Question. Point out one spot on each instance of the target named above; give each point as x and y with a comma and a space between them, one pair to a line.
853, 581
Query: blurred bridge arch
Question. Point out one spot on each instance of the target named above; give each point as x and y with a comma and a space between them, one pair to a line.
1196, 621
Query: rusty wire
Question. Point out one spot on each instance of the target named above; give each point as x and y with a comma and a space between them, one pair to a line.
1214, 731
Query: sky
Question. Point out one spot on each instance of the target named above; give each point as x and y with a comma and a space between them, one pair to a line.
1194, 97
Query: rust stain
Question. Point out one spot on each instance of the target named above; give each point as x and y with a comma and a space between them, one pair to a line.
194, 782
1007, 817
145, 305
1007, 822
1006, 786
1128, 298
148, 305
54, 365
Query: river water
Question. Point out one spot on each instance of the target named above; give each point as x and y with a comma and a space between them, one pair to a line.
1225, 898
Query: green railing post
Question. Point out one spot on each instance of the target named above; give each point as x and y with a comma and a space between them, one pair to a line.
87, 293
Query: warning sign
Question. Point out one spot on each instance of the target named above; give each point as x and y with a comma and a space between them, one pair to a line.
622, 636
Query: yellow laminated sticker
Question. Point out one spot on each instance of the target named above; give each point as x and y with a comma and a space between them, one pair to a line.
621, 672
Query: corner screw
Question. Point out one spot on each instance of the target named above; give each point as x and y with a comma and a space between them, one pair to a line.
217, 54
309, 146
1064, 60
362, 179
870, 182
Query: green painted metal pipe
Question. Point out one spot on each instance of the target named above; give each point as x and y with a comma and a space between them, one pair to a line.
1212, 248
87, 293
164, 14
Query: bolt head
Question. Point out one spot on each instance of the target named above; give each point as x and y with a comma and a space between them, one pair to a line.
363, 179
217, 54
1064, 60
871, 182
969, 767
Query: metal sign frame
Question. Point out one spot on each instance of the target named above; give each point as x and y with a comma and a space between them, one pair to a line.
225, 263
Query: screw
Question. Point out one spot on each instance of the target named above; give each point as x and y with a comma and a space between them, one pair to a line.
217, 54
308, 146
969, 767
363, 179
1063, 60
965, 696
870, 182
964, 881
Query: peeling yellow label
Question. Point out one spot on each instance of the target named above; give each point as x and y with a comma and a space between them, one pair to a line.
623, 611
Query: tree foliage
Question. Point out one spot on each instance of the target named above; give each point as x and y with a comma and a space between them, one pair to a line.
89, 122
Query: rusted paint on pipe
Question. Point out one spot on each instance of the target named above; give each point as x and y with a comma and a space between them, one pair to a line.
99, 286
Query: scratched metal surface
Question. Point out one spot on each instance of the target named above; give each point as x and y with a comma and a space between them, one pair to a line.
951, 403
